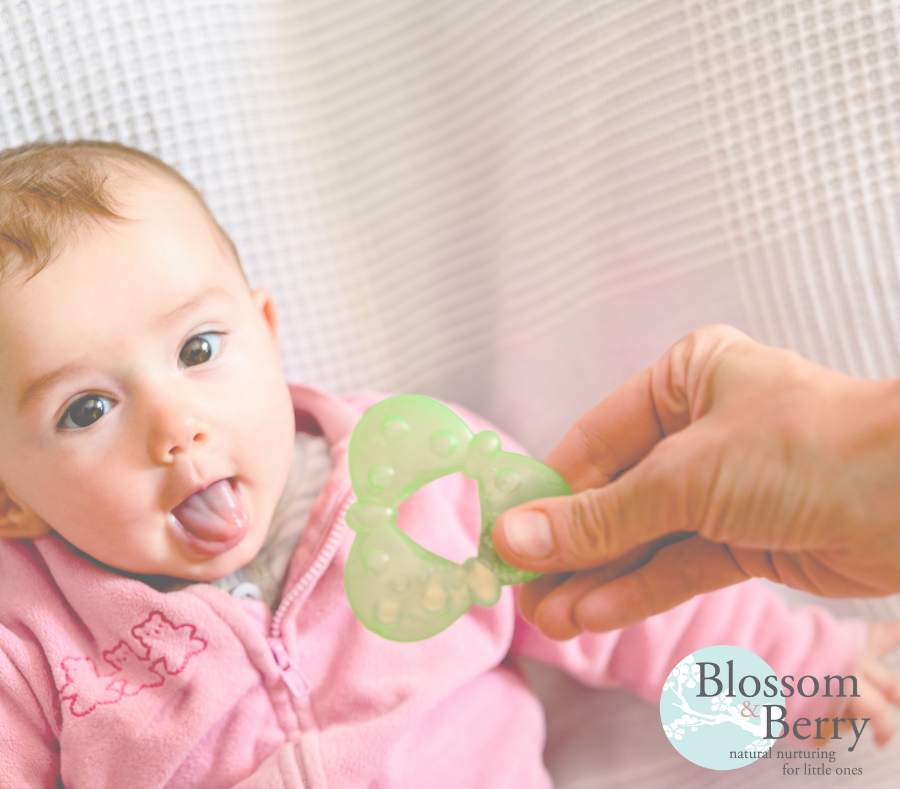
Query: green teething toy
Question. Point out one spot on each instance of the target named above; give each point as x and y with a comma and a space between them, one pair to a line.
396, 587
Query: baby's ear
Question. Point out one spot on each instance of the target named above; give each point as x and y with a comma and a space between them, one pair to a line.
264, 302
19, 522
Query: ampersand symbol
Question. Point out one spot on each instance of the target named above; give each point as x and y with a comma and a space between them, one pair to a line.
747, 708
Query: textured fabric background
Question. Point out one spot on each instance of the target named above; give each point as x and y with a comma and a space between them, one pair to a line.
516, 204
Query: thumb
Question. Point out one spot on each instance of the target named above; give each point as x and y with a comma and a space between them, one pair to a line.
597, 525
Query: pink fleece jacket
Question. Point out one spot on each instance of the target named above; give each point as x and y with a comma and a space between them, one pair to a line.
106, 683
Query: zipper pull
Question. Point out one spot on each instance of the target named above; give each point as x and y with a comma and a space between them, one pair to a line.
293, 677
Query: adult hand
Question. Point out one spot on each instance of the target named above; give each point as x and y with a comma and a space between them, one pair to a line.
726, 459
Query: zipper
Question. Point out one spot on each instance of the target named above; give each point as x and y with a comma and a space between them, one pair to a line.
293, 677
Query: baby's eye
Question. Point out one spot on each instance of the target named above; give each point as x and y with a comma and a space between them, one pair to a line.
84, 412
200, 349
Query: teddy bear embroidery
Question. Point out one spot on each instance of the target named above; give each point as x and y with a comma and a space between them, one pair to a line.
139, 672
164, 650
86, 688
163, 640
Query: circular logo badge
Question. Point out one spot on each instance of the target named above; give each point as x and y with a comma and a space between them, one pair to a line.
713, 709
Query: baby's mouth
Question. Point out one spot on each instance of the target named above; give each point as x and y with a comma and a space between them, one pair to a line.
216, 514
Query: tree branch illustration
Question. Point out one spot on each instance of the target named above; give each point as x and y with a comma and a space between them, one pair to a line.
695, 718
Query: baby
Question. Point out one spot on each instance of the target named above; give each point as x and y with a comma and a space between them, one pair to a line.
172, 611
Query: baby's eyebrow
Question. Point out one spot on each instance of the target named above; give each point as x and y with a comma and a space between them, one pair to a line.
211, 292
42, 383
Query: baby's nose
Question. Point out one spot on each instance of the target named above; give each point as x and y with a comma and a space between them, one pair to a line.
172, 445
181, 446
176, 431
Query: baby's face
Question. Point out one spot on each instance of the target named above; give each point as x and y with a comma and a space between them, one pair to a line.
135, 371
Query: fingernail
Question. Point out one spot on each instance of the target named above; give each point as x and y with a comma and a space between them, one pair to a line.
528, 534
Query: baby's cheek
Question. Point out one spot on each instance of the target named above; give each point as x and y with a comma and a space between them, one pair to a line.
266, 431
96, 503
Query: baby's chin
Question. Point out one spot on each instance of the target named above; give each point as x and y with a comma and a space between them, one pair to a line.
169, 574
222, 566
175, 578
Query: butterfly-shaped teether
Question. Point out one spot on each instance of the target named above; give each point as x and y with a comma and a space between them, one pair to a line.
396, 587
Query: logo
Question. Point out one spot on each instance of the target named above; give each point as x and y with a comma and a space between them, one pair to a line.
723, 707
712, 708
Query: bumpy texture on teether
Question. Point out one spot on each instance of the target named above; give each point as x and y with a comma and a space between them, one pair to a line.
396, 587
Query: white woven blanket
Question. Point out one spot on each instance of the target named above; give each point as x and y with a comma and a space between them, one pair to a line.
515, 204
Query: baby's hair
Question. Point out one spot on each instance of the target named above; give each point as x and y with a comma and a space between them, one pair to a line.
50, 190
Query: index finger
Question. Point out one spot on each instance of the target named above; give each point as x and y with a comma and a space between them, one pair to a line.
624, 427
610, 438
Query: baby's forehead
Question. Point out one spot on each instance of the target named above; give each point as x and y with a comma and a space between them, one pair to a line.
154, 217
140, 196
121, 288
130, 184
51, 194
144, 185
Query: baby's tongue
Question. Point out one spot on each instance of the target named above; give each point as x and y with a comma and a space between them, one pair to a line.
216, 514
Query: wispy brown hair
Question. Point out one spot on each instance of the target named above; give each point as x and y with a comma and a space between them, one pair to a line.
48, 191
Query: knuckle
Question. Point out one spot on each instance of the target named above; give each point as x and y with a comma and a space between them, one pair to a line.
646, 598
690, 573
696, 566
592, 444
588, 532
705, 342
670, 486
